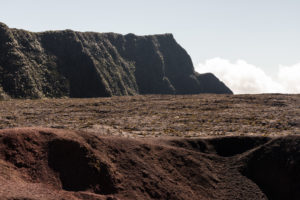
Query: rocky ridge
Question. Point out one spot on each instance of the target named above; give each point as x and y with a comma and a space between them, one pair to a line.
77, 64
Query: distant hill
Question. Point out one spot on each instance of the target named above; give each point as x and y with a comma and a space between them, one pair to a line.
77, 64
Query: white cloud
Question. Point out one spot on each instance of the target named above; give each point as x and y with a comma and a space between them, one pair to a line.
289, 77
242, 77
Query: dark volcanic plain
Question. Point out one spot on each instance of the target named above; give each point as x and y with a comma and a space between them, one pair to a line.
151, 147
161, 115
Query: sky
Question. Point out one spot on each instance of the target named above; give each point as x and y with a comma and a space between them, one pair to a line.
251, 45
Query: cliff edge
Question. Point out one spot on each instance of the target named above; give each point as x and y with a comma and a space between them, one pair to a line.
87, 64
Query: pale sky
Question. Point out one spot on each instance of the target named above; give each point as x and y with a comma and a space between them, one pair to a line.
262, 33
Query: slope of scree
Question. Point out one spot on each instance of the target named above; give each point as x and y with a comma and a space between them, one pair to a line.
77, 167
275, 168
37, 163
76, 64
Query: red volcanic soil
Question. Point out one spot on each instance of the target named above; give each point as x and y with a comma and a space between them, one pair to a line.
37, 163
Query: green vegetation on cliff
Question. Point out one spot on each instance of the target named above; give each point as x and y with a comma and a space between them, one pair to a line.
76, 64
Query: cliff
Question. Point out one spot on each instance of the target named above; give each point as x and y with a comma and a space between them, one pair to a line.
77, 64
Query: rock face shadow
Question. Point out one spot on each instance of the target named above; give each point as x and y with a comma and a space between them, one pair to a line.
275, 169
78, 169
231, 146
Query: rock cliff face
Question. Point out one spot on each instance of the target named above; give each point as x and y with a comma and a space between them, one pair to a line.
76, 64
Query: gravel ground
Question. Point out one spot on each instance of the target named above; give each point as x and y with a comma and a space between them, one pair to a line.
161, 115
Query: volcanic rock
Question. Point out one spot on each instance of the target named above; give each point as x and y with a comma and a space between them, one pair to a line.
77, 64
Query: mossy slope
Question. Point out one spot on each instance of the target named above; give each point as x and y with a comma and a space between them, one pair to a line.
77, 64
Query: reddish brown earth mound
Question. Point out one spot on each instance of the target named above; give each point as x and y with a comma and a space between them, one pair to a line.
37, 163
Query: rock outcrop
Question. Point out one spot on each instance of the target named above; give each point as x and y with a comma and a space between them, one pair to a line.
77, 64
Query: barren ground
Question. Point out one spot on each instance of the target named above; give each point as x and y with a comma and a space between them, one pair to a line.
161, 115
242, 159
